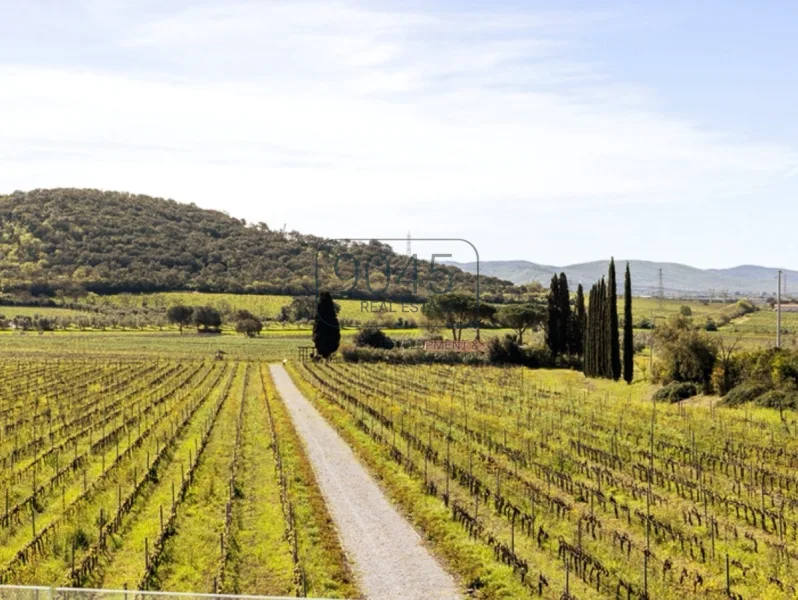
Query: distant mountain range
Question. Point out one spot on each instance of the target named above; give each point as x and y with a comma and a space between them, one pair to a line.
677, 279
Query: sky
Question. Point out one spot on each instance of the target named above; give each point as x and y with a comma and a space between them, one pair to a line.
555, 132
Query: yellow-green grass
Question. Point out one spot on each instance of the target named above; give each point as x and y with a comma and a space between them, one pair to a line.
192, 557
79, 520
171, 393
542, 415
648, 307
124, 565
472, 563
138, 344
323, 561
262, 305
764, 322
260, 560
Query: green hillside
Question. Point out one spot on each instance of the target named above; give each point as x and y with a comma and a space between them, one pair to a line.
108, 242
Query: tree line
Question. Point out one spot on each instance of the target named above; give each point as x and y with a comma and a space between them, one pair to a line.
208, 319
592, 332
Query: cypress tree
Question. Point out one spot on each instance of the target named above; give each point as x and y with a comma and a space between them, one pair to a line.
553, 319
604, 363
578, 323
612, 324
628, 332
564, 314
326, 330
590, 337
595, 330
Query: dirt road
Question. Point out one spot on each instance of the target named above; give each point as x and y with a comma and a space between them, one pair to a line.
387, 554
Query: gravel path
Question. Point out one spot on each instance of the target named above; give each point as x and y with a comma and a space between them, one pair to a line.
387, 554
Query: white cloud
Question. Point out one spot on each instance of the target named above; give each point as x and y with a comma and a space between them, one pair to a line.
302, 105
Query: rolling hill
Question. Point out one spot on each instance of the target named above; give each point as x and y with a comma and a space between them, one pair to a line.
107, 242
678, 279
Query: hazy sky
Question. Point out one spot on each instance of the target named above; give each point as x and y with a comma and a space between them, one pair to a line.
556, 132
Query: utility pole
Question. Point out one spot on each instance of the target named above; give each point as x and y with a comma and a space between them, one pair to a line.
778, 313
660, 289
409, 250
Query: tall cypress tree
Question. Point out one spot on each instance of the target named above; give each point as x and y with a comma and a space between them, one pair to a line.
628, 331
587, 339
594, 329
578, 326
604, 366
597, 331
564, 314
612, 324
326, 330
553, 319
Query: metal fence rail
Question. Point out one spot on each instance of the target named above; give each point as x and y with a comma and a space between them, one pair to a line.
25, 592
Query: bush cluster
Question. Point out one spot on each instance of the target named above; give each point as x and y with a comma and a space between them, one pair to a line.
778, 399
747, 392
508, 351
410, 357
372, 345
675, 392
371, 337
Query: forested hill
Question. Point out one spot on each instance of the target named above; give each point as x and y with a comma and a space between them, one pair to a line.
118, 242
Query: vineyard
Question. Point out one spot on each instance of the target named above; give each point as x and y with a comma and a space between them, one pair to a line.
160, 475
764, 321
575, 492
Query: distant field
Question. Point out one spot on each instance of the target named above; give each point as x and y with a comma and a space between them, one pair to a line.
764, 321
42, 311
114, 344
270, 305
758, 328
646, 307
272, 345
264, 306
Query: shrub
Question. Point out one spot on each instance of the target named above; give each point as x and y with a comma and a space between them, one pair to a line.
745, 307
675, 392
539, 357
640, 342
371, 337
644, 323
564, 361
784, 369
746, 392
778, 399
685, 354
710, 325
505, 351
411, 357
